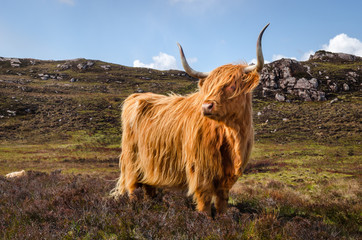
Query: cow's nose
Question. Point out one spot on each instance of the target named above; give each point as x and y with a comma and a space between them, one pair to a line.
207, 108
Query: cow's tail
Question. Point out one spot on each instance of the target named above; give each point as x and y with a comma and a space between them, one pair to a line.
120, 189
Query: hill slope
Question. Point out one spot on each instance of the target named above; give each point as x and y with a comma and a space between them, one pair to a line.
58, 100
51, 99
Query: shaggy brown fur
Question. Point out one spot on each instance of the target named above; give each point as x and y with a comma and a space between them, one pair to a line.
168, 142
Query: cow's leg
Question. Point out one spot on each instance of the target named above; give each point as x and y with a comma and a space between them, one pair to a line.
203, 201
222, 197
127, 163
131, 186
150, 192
127, 182
131, 180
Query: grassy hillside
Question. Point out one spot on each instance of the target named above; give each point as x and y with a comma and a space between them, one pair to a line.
59, 120
69, 100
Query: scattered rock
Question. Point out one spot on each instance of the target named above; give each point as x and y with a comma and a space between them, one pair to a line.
16, 174
280, 97
11, 113
308, 69
15, 62
44, 77
334, 100
345, 87
321, 96
106, 67
318, 96
333, 87
64, 66
352, 76
314, 83
83, 66
90, 63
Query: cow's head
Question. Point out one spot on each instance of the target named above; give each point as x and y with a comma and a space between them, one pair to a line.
225, 88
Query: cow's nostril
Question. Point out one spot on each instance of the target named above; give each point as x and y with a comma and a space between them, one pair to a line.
207, 108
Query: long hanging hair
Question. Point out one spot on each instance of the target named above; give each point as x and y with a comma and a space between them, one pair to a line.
226, 74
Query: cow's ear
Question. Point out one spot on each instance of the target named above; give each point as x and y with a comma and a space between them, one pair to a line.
201, 82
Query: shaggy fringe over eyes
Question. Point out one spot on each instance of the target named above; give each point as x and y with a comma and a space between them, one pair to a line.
227, 74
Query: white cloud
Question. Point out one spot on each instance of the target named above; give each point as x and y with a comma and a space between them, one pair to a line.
345, 44
340, 43
68, 2
306, 55
280, 56
161, 62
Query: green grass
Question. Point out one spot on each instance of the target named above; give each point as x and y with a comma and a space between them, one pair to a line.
68, 157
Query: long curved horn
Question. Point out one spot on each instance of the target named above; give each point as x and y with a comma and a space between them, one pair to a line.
187, 67
259, 54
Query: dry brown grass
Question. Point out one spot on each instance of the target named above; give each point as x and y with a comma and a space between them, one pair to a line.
55, 206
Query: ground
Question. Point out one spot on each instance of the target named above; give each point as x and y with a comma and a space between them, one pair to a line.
303, 181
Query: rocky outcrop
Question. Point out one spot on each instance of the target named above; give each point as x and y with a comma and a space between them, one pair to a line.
322, 75
334, 57
81, 66
14, 62
290, 77
86, 65
106, 67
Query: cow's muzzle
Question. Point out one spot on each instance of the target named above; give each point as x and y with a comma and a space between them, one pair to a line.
207, 108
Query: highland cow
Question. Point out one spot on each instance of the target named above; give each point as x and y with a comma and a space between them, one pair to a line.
200, 142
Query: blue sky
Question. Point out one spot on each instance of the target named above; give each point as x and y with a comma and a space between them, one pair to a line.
144, 33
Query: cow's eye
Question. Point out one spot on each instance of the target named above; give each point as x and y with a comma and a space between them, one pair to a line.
231, 88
